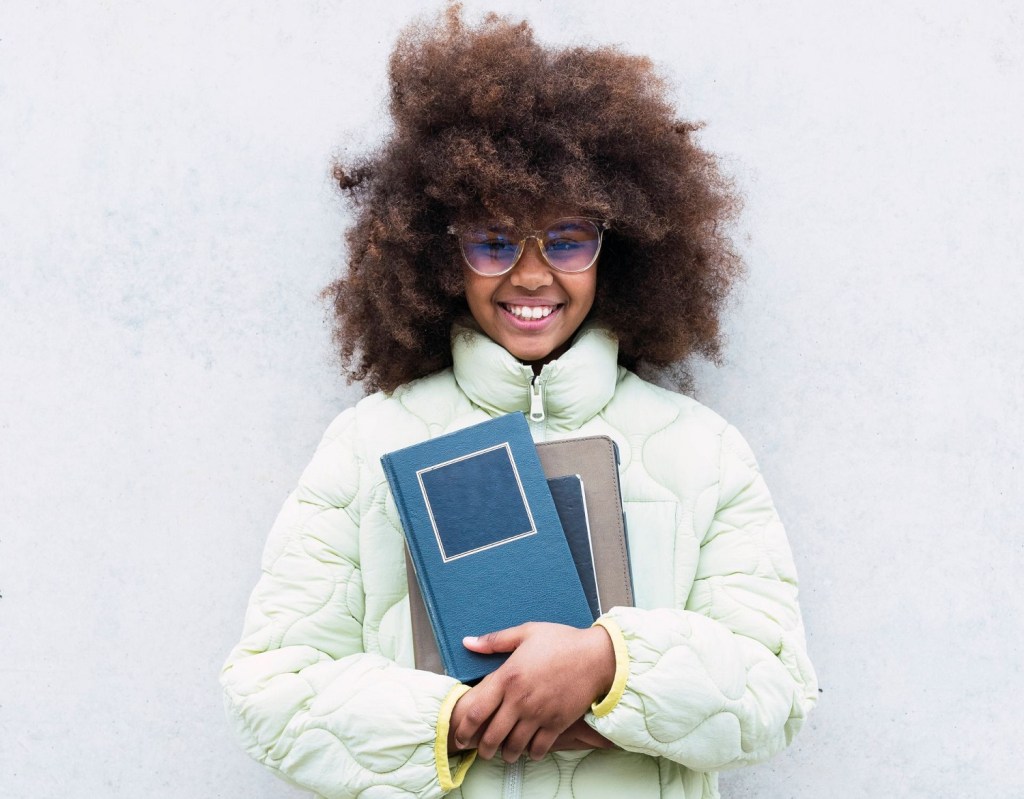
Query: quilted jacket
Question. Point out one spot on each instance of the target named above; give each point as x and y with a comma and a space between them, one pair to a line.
711, 665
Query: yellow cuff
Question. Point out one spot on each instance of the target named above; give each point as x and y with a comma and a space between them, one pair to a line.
441, 758
607, 705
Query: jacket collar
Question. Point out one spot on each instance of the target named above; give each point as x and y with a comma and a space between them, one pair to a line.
574, 387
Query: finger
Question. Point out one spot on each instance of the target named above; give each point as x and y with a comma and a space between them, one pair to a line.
589, 738
515, 742
542, 742
467, 734
495, 732
499, 641
474, 711
567, 740
579, 735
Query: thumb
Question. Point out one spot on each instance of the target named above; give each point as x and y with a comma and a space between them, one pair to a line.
499, 641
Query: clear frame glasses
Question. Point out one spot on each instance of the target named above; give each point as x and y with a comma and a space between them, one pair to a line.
569, 245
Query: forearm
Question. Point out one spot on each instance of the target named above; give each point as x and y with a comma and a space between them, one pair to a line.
302, 695
725, 679
691, 690
342, 727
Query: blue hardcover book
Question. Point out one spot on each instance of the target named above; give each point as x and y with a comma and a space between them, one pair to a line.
484, 537
571, 505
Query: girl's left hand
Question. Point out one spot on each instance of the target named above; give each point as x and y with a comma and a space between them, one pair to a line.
551, 679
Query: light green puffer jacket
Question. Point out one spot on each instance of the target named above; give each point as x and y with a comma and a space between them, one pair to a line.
711, 665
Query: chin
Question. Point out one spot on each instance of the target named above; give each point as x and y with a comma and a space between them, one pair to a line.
533, 355
528, 356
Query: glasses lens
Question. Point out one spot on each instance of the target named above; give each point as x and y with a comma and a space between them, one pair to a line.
571, 245
491, 250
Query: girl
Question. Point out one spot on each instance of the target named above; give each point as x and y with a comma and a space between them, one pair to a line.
538, 227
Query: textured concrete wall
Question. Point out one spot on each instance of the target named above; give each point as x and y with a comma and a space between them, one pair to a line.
166, 221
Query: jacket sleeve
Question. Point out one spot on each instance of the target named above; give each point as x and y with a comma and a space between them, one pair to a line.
300, 693
724, 681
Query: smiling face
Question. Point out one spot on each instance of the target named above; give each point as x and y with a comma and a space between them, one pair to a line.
533, 311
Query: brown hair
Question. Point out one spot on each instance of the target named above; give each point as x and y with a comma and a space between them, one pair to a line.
488, 123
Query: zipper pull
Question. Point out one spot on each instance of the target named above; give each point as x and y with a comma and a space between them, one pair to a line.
536, 401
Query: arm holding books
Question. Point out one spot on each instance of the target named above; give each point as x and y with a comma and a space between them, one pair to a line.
723, 680
301, 694
542, 691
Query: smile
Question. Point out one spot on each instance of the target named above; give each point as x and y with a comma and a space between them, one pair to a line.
529, 313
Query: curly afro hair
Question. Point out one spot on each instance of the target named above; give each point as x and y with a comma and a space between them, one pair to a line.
490, 124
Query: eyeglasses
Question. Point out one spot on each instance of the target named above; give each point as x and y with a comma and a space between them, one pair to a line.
567, 245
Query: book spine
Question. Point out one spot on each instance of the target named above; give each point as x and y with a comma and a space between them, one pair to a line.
625, 528
422, 576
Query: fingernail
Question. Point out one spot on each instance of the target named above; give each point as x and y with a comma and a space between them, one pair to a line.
469, 639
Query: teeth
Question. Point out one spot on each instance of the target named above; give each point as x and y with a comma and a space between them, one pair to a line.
530, 311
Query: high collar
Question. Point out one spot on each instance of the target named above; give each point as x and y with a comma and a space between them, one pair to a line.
574, 387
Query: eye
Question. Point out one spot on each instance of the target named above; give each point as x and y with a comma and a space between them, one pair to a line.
561, 244
491, 243
488, 246
494, 245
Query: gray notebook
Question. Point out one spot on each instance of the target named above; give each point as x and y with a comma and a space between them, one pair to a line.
595, 460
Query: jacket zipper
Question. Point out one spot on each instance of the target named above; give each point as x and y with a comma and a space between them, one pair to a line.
513, 788
536, 400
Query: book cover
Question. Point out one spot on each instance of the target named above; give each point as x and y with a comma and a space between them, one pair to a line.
595, 459
570, 503
484, 537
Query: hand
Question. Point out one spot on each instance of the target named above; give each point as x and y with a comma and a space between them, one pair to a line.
554, 674
580, 735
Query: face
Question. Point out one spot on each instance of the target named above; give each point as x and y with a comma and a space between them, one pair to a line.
533, 311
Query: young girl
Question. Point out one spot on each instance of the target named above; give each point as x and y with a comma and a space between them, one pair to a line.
537, 227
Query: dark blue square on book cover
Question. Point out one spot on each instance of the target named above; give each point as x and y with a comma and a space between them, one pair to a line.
476, 502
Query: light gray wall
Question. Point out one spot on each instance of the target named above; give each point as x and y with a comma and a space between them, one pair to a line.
166, 220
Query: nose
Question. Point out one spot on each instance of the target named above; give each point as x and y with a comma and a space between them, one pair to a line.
531, 271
